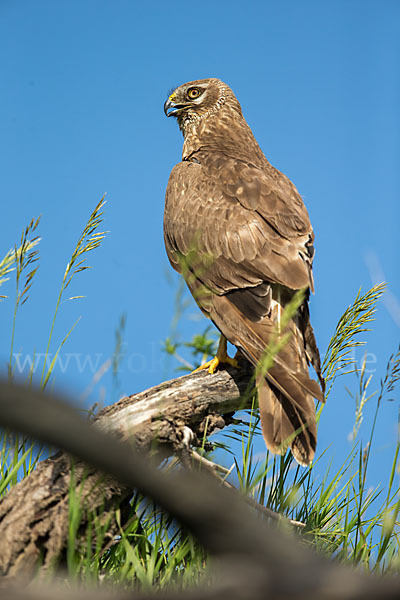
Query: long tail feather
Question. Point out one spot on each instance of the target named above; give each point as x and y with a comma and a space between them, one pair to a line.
286, 391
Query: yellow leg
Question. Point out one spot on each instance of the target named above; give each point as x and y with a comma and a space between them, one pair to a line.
222, 357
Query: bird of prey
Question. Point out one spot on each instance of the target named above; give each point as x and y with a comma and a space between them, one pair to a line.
238, 231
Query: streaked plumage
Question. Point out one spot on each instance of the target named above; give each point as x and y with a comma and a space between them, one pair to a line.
238, 231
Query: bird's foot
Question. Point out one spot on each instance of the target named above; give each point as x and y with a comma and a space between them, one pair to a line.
221, 358
213, 364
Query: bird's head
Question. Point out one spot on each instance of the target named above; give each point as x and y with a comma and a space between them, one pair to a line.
195, 100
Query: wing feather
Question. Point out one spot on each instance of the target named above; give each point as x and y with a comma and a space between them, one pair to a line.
200, 217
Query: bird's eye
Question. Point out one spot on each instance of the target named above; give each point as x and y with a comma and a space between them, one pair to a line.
193, 93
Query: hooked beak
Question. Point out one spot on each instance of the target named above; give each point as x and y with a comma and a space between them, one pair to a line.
176, 108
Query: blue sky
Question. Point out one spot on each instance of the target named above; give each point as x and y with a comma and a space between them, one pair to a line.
81, 95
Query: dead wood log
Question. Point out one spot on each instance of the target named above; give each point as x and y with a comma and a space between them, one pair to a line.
251, 560
34, 515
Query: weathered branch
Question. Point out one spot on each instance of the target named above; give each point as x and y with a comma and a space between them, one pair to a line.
34, 515
252, 560
198, 401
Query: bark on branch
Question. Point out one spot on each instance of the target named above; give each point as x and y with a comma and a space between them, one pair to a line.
34, 515
251, 560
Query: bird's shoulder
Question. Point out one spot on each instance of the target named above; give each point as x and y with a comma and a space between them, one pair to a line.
258, 187
237, 213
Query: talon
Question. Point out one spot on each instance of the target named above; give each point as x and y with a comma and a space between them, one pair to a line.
211, 365
222, 357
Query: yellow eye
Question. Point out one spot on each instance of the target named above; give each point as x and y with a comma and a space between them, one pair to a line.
193, 93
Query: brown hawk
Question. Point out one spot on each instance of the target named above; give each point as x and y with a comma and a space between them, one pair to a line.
238, 231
